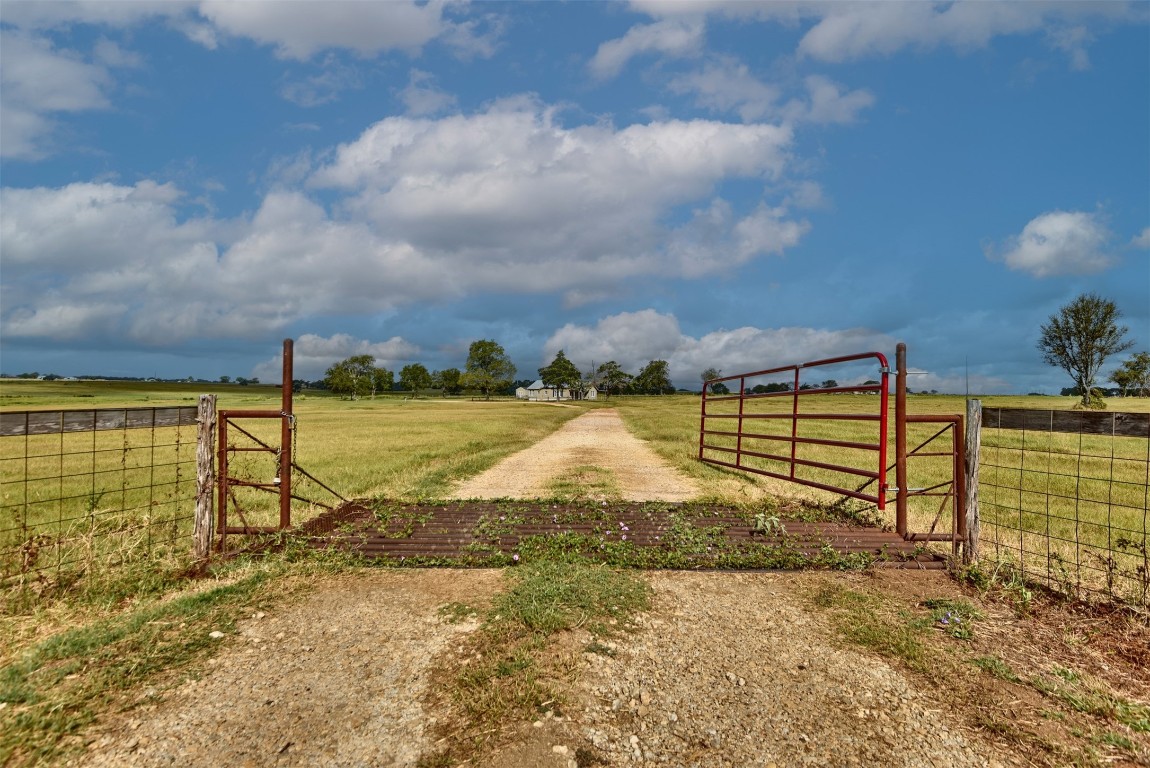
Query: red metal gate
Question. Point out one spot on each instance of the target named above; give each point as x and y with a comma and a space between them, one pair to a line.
795, 416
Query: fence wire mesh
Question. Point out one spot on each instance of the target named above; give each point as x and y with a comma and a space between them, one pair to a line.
84, 491
1063, 497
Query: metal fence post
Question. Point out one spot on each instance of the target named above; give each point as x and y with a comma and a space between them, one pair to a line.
900, 479
973, 441
205, 476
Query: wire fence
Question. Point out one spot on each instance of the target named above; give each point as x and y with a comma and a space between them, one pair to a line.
85, 491
1063, 497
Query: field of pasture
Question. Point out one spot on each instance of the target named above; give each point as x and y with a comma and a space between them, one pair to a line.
406, 449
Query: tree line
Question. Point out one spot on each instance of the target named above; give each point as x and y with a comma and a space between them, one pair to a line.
489, 371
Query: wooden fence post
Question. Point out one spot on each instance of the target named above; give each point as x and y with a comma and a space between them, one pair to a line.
205, 477
973, 440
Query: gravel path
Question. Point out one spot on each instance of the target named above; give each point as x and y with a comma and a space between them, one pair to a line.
726, 670
596, 438
334, 680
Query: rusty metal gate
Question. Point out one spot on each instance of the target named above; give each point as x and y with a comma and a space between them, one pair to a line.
228, 447
789, 430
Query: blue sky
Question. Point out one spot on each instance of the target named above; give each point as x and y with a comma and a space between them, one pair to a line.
732, 184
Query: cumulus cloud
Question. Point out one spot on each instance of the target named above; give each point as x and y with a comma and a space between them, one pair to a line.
323, 87
312, 355
422, 97
298, 30
1057, 243
424, 210
1142, 240
849, 31
634, 338
676, 37
38, 80
724, 84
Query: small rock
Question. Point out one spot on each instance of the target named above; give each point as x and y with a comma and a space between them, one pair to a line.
215, 634
559, 749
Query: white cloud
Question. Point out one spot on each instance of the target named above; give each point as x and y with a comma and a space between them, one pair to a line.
424, 211
298, 30
1142, 240
677, 37
36, 81
323, 87
1058, 243
853, 30
422, 97
828, 103
634, 338
312, 355
726, 85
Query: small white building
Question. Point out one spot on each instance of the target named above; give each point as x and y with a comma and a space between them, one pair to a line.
540, 392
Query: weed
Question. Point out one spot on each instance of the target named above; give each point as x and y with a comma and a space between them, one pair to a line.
997, 667
955, 617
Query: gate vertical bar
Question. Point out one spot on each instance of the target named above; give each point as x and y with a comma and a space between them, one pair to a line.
795, 423
286, 426
900, 439
739, 439
222, 463
703, 420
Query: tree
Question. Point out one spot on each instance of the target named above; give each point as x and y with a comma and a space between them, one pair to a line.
414, 377
710, 374
449, 381
355, 377
654, 379
1079, 339
612, 377
1133, 376
382, 380
225, 379
828, 384
560, 374
488, 367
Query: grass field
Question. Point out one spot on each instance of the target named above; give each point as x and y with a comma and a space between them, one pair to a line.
416, 449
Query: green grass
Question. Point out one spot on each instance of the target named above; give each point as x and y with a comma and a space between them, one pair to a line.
514, 667
56, 686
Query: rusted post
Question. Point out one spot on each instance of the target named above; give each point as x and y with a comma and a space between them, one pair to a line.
973, 441
900, 438
222, 477
205, 476
286, 427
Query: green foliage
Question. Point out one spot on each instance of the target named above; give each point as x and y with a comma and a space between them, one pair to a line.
414, 378
489, 369
561, 373
612, 378
356, 377
1133, 376
654, 379
1080, 337
448, 380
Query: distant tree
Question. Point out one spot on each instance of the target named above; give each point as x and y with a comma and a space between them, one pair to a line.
653, 379
1079, 338
1133, 376
414, 378
225, 379
382, 380
449, 381
708, 375
354, 377
297, 385
719, 388
488, 369
612, 378
828, 384
560, 374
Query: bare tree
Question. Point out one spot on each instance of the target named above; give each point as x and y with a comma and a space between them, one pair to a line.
1079, 339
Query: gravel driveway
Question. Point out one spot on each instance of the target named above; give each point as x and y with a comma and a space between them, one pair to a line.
726, 670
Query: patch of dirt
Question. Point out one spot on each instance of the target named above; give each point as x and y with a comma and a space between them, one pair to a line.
598, 438
727, 669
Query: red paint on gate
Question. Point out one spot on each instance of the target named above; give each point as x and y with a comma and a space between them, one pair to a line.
712, 421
